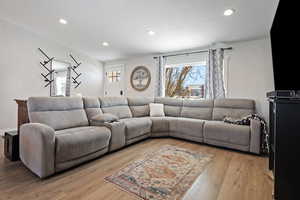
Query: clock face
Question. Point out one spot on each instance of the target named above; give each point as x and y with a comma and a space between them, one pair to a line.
140, 78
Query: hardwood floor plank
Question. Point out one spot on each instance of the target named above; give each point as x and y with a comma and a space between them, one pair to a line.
245, 179
231, 175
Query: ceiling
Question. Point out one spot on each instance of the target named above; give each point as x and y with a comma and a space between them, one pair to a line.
179, 24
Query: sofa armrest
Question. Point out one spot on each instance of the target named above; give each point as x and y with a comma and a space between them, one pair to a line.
37, 148
117, 129
255, 137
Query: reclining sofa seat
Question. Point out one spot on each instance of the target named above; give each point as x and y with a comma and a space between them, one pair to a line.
59, 136
219, 133
134, 122
202, 121
186, 117
139, 126
61, 133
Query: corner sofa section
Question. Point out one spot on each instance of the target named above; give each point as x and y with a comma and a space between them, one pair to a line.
61, 133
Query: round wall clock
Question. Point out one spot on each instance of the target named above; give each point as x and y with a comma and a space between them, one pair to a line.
140, 78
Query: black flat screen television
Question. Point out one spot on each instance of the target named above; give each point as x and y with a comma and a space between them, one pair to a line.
284, 43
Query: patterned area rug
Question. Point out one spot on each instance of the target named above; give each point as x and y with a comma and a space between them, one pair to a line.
162, 175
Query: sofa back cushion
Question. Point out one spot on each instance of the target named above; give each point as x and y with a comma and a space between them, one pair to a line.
197, 109
92, 106
172, 106
234, 108
57, 112
117, 106
139, 106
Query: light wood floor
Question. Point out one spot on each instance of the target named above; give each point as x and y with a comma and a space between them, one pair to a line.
230, 176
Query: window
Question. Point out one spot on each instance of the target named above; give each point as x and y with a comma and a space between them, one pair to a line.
113, 76
185, 80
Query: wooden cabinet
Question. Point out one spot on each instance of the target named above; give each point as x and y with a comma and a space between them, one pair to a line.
22, 113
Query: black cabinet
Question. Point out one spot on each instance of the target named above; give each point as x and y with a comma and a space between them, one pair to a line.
284, 158
11, 145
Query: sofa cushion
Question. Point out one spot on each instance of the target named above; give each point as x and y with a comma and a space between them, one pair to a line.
234, 108
92, 106
40, 104
172, 106
57, 112
74, 143
186, 126
137, 126
197, 109
229, 133
139, 106
117, 106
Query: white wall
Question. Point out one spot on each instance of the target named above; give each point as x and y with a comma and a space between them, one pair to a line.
249, 72
130, 64
20, 70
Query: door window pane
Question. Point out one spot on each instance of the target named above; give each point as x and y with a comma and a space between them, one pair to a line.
113, 76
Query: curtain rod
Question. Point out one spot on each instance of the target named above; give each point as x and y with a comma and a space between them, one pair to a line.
193, 52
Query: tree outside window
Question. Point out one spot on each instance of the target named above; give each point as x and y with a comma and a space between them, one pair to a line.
185, 80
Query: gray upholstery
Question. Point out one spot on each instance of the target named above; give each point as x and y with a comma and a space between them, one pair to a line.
62, 134
59, 120
137, 126
71, 163
160, 126
37, 148
39, 104
255, 136
139, 138
185, 137
92, 106
139, 106
229, 133
74, 143
105, 117
198, 109
117, 140
226, 144
117, 106
234, 108
57, 112
187, 127
172, 107
113, 101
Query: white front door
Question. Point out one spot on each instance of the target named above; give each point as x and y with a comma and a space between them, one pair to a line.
114, 81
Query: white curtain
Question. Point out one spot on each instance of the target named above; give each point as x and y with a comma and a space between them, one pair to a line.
160, 86
214, 84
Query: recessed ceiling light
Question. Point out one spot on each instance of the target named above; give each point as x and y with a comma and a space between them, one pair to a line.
151, 33
105, 44
63, 21
229, 12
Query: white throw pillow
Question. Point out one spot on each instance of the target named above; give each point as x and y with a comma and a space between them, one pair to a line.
156, 110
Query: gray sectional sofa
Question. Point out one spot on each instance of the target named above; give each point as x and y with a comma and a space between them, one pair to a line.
62, 134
